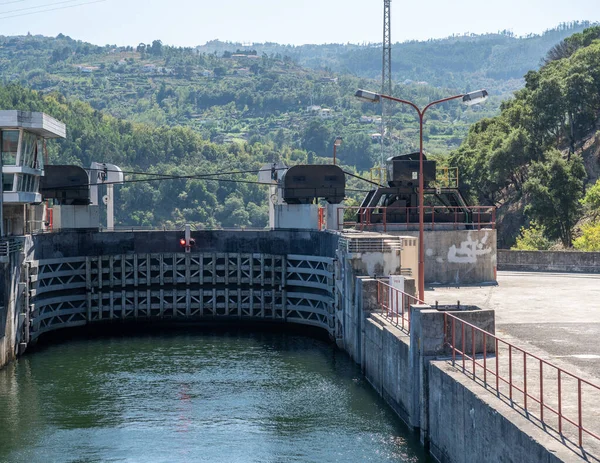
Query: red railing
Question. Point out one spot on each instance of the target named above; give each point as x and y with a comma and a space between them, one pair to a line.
403, 218
395, 305
553, 395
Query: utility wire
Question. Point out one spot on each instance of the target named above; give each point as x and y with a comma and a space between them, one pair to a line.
252, 171
361, 178
159, 177
48, 9
39, 6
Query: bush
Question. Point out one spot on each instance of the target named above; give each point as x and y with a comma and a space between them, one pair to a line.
532, 239
590, 239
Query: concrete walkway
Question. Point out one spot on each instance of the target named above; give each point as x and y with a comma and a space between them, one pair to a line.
557, 318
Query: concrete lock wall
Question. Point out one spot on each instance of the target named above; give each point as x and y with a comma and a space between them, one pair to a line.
470, 425
290, 269
92, 243
549, 261
456, 418
459, 256
13, 303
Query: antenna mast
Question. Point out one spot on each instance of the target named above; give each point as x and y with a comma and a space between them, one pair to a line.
386, 72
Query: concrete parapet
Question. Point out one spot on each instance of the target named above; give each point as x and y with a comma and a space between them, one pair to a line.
549, 261
459, 256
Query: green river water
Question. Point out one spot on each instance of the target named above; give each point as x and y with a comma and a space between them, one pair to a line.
195, 396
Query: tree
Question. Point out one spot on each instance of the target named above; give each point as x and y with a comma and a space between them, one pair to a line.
554, 190
590, 238
532, 239
317, 137
591, 201
156, 49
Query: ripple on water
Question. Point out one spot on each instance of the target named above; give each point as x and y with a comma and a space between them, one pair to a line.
195, 397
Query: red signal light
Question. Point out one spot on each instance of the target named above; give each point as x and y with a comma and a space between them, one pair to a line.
182, 241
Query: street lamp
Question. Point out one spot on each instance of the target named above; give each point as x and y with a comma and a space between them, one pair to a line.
470, 98
337, 142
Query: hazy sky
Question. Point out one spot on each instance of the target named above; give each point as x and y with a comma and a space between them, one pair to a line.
189, 22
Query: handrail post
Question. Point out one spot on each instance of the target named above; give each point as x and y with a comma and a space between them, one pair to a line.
541, 390
510, 384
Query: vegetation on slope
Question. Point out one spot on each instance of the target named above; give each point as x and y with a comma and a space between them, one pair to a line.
528, 160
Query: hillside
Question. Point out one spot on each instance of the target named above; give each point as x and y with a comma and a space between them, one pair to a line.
234, 94
537, 159
175, 111
494, 61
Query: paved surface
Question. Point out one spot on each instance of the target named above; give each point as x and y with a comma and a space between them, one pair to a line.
555, 316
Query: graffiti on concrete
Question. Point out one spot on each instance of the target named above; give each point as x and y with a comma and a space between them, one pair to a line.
469, 250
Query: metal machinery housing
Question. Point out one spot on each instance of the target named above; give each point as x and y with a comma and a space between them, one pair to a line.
305, 184
67, 185
401, 199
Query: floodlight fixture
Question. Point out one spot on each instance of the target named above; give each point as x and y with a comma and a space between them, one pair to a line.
367, 96
473, 98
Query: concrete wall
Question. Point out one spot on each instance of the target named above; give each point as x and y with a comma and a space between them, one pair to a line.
386, 365
301, 216
75, 217
549, 261
457, 419
93, 243
11, 320
458, 256
470, 425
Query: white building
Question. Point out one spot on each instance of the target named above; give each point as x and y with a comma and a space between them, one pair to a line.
22, 135
325, 113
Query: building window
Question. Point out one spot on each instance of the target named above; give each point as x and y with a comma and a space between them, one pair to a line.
10, 146
29, 151
7, 182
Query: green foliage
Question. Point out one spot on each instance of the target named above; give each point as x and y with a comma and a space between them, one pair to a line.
221, 107
526, 155
532, 239
178, 151
591, 201
554, 189
590, 238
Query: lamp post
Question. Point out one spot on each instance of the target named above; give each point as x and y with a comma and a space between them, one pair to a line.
467, 98
337, 142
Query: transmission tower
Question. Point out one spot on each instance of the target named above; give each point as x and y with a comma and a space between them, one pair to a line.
386, 72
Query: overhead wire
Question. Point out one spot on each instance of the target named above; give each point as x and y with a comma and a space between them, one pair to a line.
47, 9
161, 177
361, 178
38, 6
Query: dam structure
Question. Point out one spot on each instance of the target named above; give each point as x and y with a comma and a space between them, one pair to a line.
326, 279
357, 284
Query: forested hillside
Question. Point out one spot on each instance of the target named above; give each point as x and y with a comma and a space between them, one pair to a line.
181, 111
496, 61
536, 158
94, 136
231, 93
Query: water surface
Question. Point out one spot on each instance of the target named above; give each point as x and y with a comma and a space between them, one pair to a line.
195, 397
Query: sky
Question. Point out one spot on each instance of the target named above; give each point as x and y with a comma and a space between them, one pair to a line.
194, 22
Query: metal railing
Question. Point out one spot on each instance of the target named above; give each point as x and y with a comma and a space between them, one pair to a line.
9, 246
395, 305
543, 390
399, 218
